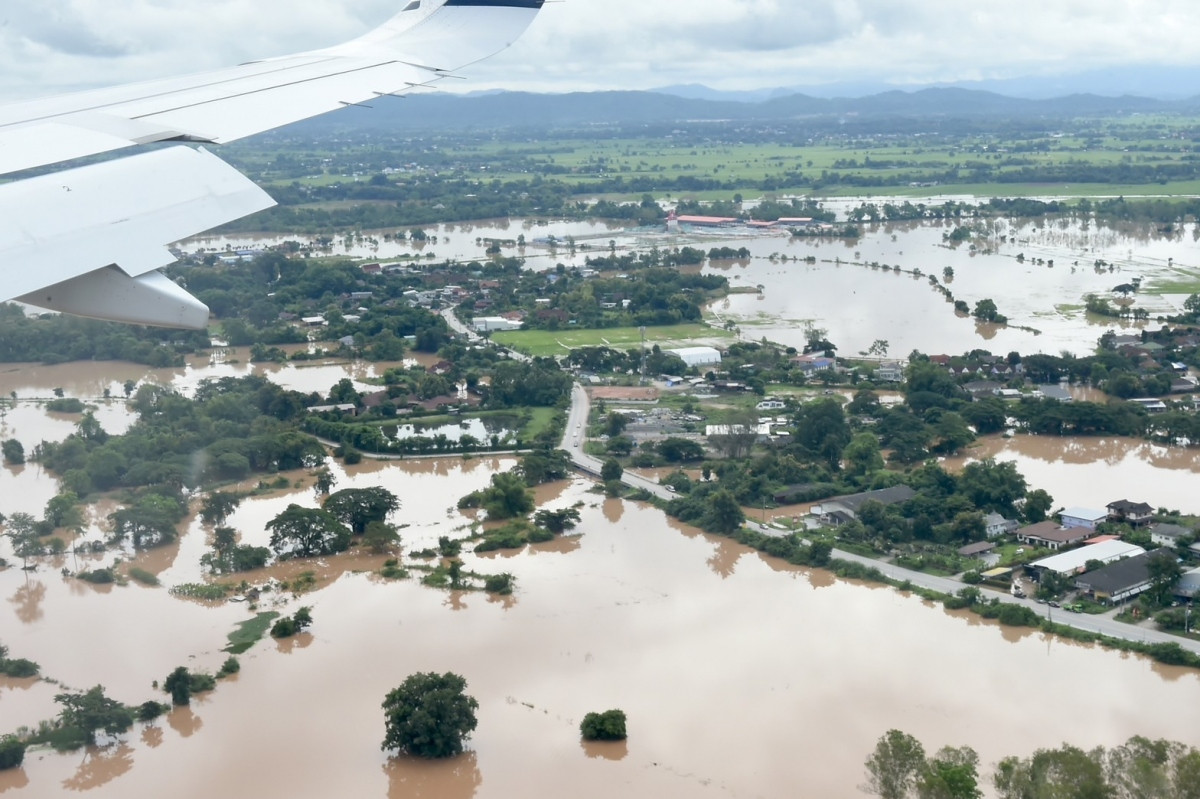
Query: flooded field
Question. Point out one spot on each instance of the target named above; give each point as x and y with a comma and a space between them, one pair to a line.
547, 242
857, 304
1092, 472
727, 664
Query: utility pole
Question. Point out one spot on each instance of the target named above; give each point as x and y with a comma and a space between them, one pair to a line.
642, 330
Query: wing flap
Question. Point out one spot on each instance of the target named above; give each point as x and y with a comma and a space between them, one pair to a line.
122, 213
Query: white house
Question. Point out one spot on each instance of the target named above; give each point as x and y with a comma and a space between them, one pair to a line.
1082, 517
996, 525
890, 372
771, 405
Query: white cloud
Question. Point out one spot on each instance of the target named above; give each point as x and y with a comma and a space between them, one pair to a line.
50, 45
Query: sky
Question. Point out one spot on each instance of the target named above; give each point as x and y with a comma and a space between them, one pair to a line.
48, 46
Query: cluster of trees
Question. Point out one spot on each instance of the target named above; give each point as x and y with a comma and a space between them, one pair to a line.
17, 668
241, 425
899, 768
644, 295
58, 338
300, 532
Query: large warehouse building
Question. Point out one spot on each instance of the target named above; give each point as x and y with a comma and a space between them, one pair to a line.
698, 356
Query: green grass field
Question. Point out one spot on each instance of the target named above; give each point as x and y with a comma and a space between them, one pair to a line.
560, 342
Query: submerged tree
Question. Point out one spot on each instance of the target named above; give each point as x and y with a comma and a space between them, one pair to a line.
307, 532
429, 715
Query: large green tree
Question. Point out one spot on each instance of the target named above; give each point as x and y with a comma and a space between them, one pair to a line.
306, 532
91, 712
895, 766
724, 515
358, 507
429, 715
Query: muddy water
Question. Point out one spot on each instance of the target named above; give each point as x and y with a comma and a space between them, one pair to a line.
1092, 472
462, 242
89, 380
726, 663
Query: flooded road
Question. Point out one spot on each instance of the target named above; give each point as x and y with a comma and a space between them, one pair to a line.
727, 664
1092, 472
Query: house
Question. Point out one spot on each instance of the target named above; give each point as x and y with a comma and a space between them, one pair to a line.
997, 525
1189, 584
890, 372
347, 407
1082, 517
847, 507
1069, 564
1169, 535
794, 494
1150, 404
982, 388
770, 405
1055, 393
1051, 536
1135, 513
976, 550
810, 364
1121, 579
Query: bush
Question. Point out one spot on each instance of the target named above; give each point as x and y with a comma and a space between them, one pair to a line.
149, 711
284, 628
500, 584
142, 576
12, 752
606, 726
98, 577
229, 667
207, 591
18, 668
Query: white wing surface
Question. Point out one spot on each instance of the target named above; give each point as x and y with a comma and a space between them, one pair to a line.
87, 241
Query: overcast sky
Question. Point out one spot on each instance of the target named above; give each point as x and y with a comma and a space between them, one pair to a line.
53, 45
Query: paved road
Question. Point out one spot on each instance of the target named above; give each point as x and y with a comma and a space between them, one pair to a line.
575, 436
458, 327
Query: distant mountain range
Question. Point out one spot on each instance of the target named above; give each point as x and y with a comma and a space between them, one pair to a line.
526, 110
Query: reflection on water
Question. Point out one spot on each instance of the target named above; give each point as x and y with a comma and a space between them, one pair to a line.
605, 750
100, 766
413, 778
27, 601
184, 721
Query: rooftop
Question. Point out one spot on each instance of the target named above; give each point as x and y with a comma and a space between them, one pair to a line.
1089, 514
1074, 561
887, 496
1122, 575
1049, 531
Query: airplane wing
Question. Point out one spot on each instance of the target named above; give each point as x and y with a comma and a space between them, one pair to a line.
89, 241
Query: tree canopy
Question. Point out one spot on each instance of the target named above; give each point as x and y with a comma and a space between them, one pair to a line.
429, 715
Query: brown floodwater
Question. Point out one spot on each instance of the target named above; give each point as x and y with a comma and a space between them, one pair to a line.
726, 662
1092, 472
